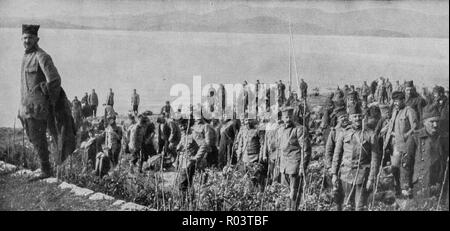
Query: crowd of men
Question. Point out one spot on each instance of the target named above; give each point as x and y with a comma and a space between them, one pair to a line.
368, 130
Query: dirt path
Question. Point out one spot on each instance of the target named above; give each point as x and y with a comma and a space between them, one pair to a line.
16, 193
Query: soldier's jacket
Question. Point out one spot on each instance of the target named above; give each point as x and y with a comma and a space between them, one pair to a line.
188, 149
40, 84
135, 99
417, 103
249, 146
113, 137
205, 136
349, 152
331, 144
292, 139
269, 146
365, 91
76, 108
110, 98
400, 123
93, 99
84, 100
426, 158
136, 136
170, 132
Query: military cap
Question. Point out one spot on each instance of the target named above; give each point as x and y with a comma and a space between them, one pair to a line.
353, 94
30, 29
430, 111
398, 95
287, 109
354, 109
439, 89
409, 84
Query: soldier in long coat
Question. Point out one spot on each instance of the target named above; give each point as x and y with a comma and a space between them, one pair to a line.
295, 149
43, 102
427, 159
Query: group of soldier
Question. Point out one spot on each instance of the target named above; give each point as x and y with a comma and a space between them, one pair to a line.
368, 130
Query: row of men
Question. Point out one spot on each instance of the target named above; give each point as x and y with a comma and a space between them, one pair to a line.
409, 136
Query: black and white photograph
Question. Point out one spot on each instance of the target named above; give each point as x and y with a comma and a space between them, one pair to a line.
214, 105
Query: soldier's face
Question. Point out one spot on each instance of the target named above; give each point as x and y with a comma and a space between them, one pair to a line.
343, 121
408, 91
399, 104
29, 41
356, 120
287, 117
431, 125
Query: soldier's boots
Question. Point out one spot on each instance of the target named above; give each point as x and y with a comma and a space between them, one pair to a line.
45, 172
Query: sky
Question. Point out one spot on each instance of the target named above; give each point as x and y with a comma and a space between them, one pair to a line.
58, 8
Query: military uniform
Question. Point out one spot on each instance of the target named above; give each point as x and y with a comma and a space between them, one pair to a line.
294, 146
270, 152
228, 133
113, 142
76, 113
135, 100
40, 89
352, 148
425, 163
401, 122
93, 103
110, 99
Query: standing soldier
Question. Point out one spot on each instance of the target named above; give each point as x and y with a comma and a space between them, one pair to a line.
414, 100
228, 133
365, 91
166, 110
389, 90
441, 102
113, 139
303, 89
204, 136
427, 158
43, 102
76, 113
169, 136
93, 102
294, 145
402, 124
355, 163
336, 131
281, 93
110, 98
135, 100
249, 146
270, 151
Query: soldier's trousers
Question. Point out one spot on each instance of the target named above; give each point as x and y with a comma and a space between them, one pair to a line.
358, 196
94, 110
295, 190
36, 132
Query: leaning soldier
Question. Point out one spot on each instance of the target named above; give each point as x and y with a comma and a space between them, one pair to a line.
294, 145
426, 159
355, 163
